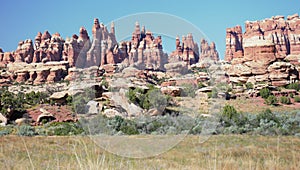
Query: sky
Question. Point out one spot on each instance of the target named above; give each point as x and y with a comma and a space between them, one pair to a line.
22, 20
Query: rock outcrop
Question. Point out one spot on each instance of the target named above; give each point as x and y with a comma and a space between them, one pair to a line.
265, 40
50, 58
262, 53
188, 50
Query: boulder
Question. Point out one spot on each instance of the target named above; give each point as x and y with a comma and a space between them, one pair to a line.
45, 115
112, 113
93, 107
171, 90
3, 120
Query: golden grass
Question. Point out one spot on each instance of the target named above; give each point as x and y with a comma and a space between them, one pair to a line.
219, 152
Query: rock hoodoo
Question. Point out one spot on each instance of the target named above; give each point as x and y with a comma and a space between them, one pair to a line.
50, 58
188, 50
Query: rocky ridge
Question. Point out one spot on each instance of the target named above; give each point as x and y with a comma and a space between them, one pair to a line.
50, 58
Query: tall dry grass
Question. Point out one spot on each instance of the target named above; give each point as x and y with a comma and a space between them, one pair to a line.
219, 152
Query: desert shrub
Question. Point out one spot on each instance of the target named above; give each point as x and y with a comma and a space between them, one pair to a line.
104, 83
146, 99
267, 115
189, 90
297, 99
249, 85
264, 93
78, 102
34, 98
271, 100
213, 93
63, 129
26, 130
230, 116
291, 95
6, 130
201, 85
285, 100
69, 100
295, 86
129, 129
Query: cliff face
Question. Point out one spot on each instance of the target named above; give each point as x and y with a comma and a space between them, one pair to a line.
268, 51
265, 40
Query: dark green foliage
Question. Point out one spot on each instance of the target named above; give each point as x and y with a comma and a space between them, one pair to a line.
264, 123
264, 93
201, 85
104, 83
249, 85
230, 116
69, 100
147, 99
291, 95
126, 126
297, 99
198, 69
63, 129
271, 100
295, 86
267, 116
13, 106
229, 112
285, 100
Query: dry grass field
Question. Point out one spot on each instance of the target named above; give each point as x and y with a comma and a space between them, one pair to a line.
218, 152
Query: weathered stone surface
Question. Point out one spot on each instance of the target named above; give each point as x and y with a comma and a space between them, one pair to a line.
45, 115
264, 40
208, 51
188, 50
171, 90
176, 68
268, 48
3, 120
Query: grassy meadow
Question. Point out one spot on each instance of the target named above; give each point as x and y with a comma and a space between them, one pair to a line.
218, 152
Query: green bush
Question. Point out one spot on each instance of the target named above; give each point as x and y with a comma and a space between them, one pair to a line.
264, 93
189, 90
230, 116
63, 129
213, 93
26, 130
285, 100
6, 130
295, 86
297, 99
291, 95
201, 85
146, 99
267, 115
249, 85
271, 100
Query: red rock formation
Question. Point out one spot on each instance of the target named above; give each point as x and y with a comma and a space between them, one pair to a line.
234, 43
265, 40
263, 52
187, 50
208, 51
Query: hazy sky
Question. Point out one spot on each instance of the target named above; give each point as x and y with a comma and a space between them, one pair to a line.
22, 20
